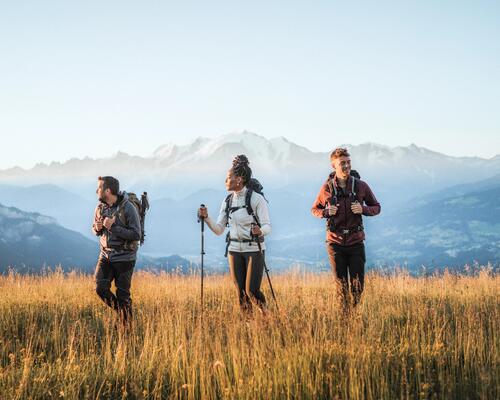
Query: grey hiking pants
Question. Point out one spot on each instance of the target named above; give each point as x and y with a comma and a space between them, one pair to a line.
246, 271
121, 272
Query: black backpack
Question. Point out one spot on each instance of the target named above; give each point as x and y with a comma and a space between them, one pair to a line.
333, 190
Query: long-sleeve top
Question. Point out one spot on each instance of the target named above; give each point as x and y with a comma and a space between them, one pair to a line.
117, 243
345, 220
240, 222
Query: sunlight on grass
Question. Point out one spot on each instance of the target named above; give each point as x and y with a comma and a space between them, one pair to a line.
410, 337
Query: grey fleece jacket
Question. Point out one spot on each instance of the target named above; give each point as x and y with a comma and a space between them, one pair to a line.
115, 242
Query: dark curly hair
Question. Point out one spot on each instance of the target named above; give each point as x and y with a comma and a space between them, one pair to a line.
241, 168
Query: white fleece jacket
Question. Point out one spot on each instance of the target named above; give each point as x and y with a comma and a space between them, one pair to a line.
240, 222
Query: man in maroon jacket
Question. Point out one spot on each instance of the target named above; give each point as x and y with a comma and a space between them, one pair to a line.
343, 200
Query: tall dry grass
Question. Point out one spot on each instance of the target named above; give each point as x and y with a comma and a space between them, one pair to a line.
409, 338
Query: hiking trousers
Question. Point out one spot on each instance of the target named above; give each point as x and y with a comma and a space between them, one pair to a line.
348, 267
121, 272
246, 271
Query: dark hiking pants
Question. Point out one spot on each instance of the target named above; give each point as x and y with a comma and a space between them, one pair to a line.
348, 266
121, 273
246, 271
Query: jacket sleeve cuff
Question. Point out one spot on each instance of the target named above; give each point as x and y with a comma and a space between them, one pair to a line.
368, 211
265, 229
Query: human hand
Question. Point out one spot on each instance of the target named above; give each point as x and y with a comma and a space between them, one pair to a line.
332, 210
108, 222
356, 208
98, 225
256, 230
203, 212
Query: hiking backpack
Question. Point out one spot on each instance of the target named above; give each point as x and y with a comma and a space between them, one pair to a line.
141, 206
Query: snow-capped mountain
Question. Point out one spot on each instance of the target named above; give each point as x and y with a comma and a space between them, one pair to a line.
396, 174
270, 155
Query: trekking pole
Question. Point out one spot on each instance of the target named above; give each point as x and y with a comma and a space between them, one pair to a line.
144, 208
265, 268
202, 221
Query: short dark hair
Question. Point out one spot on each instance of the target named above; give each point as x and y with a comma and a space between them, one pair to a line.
339, 152
241, 168
110, 183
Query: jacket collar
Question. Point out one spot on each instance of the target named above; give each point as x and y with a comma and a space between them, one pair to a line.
241, 193
122, 196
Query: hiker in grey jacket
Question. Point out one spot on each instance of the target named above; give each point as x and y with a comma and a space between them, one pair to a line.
117, 223
246, 262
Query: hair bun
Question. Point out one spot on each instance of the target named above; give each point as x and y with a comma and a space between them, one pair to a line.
241, 160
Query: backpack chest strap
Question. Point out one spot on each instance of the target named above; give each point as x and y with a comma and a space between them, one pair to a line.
247, 205
233, 209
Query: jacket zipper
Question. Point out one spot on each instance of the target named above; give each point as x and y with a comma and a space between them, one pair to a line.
345, 222
236, 224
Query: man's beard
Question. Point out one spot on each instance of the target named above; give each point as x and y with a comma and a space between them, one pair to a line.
102, 200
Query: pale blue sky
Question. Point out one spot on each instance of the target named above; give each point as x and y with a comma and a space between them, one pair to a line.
94, 77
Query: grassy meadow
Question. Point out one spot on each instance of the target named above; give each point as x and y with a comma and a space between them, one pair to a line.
410, 338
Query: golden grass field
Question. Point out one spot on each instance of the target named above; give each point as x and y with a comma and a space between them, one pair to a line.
409, 338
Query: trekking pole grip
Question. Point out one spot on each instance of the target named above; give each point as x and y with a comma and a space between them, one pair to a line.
200, 218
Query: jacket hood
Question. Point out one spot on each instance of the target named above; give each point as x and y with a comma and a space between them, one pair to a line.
122, 196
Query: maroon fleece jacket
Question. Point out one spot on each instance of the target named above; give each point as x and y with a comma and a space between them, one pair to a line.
345, 219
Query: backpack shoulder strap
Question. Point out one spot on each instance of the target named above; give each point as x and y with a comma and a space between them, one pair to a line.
228, 206
100, 211
121, 212
354, 186
332, 187
333, 190
248, 206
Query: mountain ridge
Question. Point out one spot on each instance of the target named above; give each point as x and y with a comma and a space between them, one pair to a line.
180, 170
200, 144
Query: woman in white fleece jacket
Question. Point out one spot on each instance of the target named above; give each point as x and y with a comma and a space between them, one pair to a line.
246, 262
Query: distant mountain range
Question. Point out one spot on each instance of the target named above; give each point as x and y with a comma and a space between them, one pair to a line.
71, 210
30, 242
454, 226
452, 230
436, 209
398, 173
